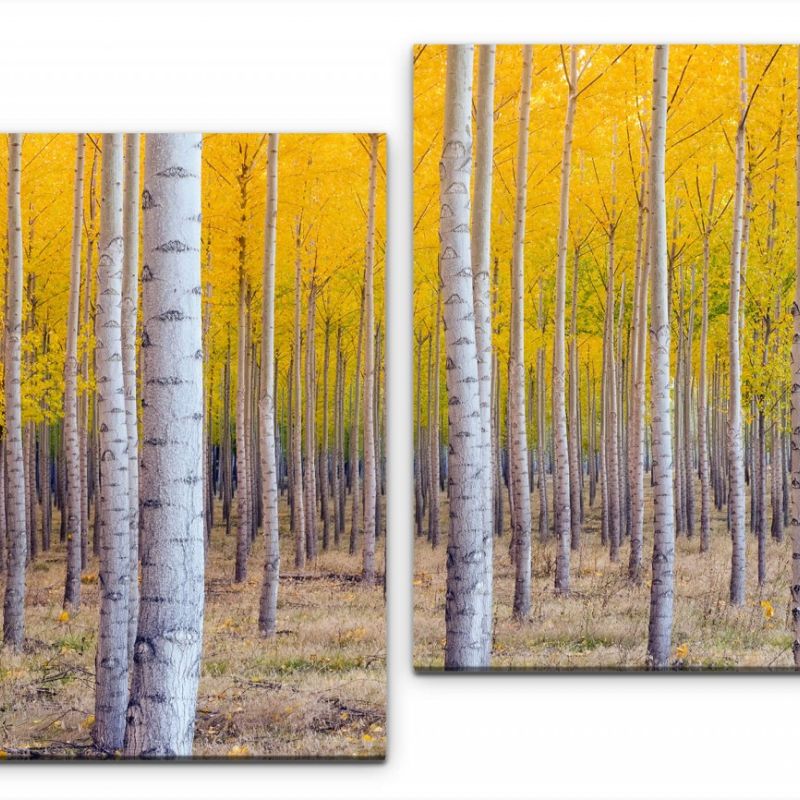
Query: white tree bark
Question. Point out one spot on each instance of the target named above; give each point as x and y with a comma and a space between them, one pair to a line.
702, 411
16, 530
298, 516
370, 473
480, 245
735, 450
111, 679
160, 720
130, 313
72, 456
794, 463
561, 485
662, 590
268, 609
518, 441
465, 601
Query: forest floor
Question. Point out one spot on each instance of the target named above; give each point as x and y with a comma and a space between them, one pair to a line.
603, 623
317, 690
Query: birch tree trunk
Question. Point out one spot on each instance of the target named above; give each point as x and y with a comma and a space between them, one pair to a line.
662, 589
735, 454
16, 531
702, 411
355, 431
298, 516
268, 608
130, 313
243, 504
111, 679
465, 600
518, 444
794, 453
310, 424
480, 246
561, 478
166, 670
370, 472
72, 510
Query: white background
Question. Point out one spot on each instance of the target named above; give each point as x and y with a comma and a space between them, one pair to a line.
347, 66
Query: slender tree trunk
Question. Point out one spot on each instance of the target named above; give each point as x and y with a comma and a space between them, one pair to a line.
16, 531
662, 590
243, 504
370, 469
166, 668
324, 450
465, 602
575, 477
735, 455
434, 467
355, 444
517, 423
130, 312
480, 245
561, 477
702, 411
337, 473
74, 481
298, 516
268, 607
111, 680
310, 477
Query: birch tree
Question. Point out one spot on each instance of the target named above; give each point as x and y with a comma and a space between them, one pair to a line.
735, 451
518, 444
111, 679
561, 478
74, 478
16, 531
370, 474
662, 589
130, 313
268, 609
794, 522
465, 601
166, 670
480, 246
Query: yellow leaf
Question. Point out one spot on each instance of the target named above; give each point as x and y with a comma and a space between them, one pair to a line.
88, 722
767, 608
3, 755
682, 651
239, 751
366, 738
63, 616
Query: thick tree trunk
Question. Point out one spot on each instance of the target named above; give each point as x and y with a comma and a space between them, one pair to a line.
518, 444
561, 477
735, 454
16, 501
268, 607
166, 671
465, 601
130, 313
74, 478
111, 680
662, 589
370, 469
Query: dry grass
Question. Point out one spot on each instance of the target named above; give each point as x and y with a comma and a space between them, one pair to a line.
318, 690
603, 624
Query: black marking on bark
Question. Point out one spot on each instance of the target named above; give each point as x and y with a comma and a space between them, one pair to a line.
169, 381
198, 354
173, 246
147, 274
151, 503
108, 455
175, 172
145, 338
155, 441
147, 201
173, 315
